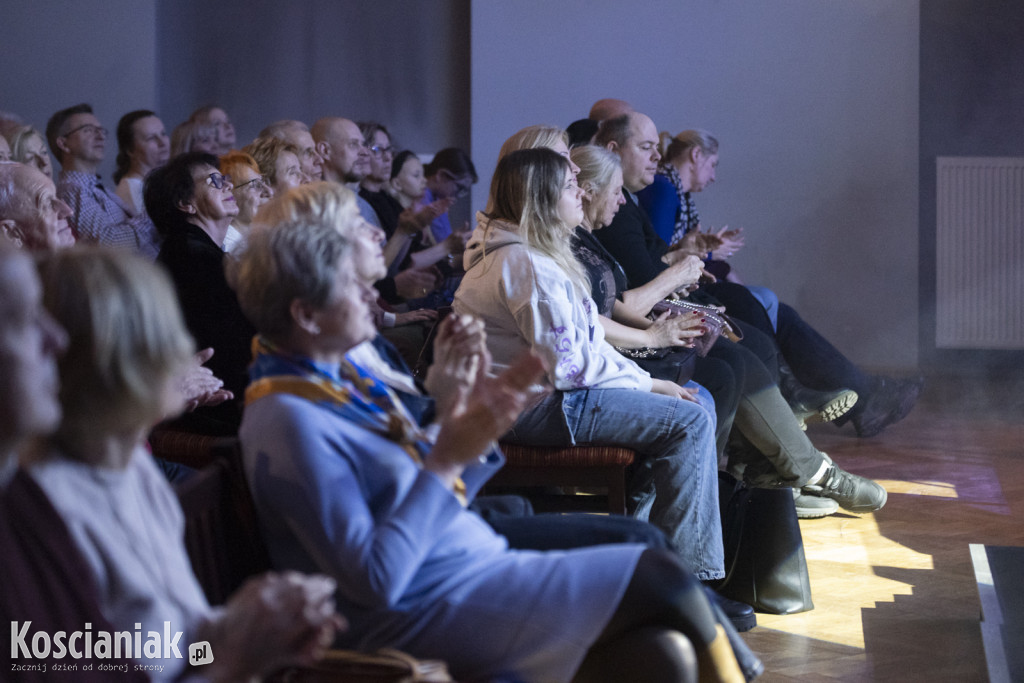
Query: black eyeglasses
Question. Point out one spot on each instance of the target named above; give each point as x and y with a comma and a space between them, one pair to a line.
89, 129
217, 181
379, 151
257, 184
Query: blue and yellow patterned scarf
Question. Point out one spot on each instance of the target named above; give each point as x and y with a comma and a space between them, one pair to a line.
351, 393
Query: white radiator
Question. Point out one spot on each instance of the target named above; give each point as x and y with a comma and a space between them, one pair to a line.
980, 253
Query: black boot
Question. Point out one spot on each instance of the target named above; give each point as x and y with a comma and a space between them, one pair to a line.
750, 664
810, 405
891, 399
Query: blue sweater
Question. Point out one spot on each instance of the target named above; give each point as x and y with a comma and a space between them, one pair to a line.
415, 569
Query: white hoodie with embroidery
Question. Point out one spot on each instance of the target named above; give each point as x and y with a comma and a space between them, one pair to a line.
527, 301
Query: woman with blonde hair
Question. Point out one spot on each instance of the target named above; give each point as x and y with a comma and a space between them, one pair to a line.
192, 136
523, 281
279, 163
28, 146
118, 378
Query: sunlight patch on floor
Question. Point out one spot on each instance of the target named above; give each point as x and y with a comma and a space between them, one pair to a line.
843, 553
938, 489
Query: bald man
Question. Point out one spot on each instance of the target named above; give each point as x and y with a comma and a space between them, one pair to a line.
346, 158
609, 108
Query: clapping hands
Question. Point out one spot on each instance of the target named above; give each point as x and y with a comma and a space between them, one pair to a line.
731, 241
199, 386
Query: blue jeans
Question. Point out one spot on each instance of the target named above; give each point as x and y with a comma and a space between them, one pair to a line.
675, 482
770, 301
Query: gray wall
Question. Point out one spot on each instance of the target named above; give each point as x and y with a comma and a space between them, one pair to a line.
815, 104
402, 63
55, 53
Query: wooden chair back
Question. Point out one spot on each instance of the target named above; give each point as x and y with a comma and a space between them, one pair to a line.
221, 532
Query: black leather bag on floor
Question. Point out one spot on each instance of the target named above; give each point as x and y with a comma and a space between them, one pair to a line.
765, 565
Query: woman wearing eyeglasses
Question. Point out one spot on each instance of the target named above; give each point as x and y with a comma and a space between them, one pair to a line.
373, 187
192, 205
250, 192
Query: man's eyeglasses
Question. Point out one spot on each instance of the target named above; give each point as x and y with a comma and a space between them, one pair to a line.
379, 151
89, 129
257, 184
218, 181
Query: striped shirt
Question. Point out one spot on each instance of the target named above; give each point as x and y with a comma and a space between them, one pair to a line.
99, 216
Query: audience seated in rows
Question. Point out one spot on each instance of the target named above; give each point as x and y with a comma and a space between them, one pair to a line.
327, 446
328, 383
32, 217
110, 554
523, 282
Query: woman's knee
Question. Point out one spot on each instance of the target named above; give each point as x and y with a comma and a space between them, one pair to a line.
645, 654
662, 582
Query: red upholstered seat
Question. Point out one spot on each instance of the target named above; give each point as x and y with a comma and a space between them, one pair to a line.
185, 448
581, 466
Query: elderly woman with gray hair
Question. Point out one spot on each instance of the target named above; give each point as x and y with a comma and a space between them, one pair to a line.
346, 482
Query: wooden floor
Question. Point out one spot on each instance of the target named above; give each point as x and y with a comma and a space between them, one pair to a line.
894, 591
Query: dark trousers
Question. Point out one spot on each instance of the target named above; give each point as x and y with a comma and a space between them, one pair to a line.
732, 370
815, 361
513, 518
